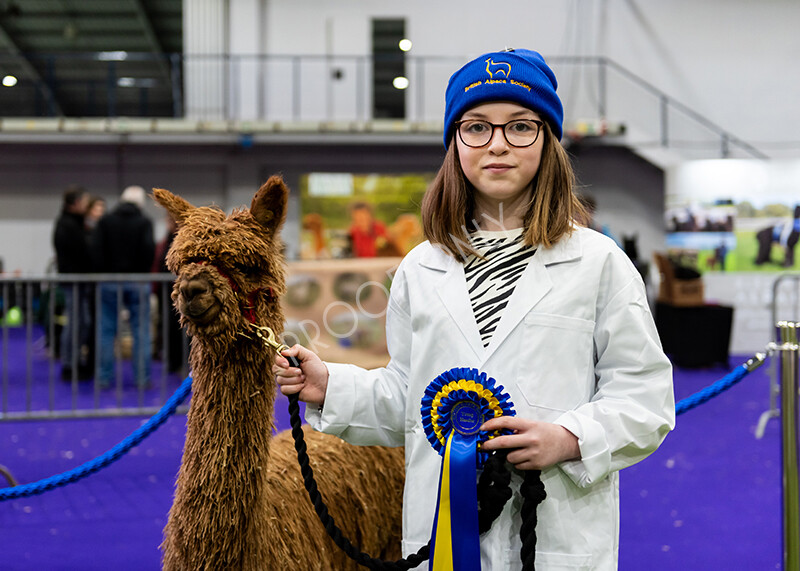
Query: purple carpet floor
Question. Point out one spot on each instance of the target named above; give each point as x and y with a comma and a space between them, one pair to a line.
709, 498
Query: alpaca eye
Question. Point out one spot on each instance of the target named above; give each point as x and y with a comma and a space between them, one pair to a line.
247, 270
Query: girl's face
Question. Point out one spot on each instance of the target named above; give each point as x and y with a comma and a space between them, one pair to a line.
97, 210
500, 172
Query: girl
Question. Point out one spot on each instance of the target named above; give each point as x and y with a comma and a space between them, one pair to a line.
508, 284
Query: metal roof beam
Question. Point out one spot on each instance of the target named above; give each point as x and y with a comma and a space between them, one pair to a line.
30, 69
152, 38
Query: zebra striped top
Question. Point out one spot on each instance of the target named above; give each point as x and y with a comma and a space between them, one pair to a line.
490, 281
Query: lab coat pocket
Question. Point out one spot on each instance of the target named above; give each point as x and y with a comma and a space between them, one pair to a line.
556, 371
559, 561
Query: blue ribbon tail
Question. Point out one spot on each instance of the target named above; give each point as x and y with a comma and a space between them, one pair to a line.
455, 541
464, 503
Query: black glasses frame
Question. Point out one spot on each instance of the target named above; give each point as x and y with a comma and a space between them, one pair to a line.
502, 127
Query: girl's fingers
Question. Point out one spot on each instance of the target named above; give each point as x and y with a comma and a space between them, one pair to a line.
291, 389
502, 422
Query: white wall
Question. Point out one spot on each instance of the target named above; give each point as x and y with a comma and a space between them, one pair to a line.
732, 61
205, 33
754, 297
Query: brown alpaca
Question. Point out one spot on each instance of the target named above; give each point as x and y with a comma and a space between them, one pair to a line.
239, 501
314, 223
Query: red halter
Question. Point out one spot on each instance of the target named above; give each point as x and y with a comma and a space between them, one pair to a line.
248, 304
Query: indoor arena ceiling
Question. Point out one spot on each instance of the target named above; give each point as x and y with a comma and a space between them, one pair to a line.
80, 51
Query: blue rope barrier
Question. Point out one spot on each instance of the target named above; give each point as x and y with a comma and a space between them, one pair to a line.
712, 390
183, 391
109, 457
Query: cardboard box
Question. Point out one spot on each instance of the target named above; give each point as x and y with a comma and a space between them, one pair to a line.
674, 291
682, 293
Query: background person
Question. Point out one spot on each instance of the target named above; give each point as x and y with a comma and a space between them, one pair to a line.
124, 244
73, 257
94, 212
174, 334
368, 236
555, 313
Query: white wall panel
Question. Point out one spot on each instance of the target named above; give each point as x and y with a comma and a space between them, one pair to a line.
733, 61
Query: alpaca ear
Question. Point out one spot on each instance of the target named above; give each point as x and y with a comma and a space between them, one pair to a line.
269, 204
177, 207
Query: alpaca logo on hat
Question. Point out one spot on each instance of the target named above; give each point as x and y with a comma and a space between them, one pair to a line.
497, 67
499, 72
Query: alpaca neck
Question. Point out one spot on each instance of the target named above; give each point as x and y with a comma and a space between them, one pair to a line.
233, 385
222, 483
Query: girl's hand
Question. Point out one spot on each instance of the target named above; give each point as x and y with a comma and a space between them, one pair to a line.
536, 445
310, 381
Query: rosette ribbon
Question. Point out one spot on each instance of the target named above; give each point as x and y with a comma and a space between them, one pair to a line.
454, 406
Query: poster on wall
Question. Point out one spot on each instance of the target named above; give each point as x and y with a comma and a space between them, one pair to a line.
354, 230
734, 215
346, 215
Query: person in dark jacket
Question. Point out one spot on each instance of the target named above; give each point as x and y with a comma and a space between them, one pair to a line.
123, 244
73, 257
170, 338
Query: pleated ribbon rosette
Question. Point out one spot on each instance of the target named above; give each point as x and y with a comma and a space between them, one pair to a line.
455, 405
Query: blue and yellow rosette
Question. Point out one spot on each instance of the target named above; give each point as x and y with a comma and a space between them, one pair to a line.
454, 406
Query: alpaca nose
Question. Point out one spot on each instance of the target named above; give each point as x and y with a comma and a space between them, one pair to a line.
193, 288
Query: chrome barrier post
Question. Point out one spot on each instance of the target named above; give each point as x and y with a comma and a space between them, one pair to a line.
774, 384
788, 346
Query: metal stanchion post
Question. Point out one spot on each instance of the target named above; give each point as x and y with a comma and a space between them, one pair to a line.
788, 346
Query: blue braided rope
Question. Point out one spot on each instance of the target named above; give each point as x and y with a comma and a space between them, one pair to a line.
183, 391
103, 460
713, 390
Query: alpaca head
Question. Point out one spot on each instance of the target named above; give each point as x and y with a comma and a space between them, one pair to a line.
229, 268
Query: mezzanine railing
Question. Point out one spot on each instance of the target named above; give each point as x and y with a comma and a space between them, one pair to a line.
265, 92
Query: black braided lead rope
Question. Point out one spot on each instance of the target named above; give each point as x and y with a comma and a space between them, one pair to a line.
327, 520
493, 493
533, 494
494, 490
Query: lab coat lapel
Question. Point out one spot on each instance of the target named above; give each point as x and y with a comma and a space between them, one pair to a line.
532, 286
451, 287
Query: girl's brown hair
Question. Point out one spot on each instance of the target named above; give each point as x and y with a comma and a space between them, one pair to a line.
448, 205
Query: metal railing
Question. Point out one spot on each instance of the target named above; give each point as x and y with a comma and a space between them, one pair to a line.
785, 304
788, 346
336, 92
33, 382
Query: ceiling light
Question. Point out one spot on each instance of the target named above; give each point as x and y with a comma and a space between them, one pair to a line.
400, 82
112, 56
405, 45
136, 82
9, 81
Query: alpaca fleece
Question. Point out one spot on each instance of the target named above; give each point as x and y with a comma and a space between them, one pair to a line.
239, 500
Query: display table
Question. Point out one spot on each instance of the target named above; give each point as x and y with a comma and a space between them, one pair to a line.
337, 308
695, 336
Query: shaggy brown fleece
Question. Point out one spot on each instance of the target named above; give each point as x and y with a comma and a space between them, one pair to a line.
239, 501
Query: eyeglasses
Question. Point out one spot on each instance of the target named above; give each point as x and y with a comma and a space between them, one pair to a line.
518, 133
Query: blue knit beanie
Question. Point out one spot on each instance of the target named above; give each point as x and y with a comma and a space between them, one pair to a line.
520, 76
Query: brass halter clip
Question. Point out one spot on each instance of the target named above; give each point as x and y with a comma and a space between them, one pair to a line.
267, 335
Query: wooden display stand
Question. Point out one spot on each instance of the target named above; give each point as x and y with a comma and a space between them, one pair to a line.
337, 308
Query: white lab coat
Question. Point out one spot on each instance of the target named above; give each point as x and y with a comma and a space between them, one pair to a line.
575, 346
